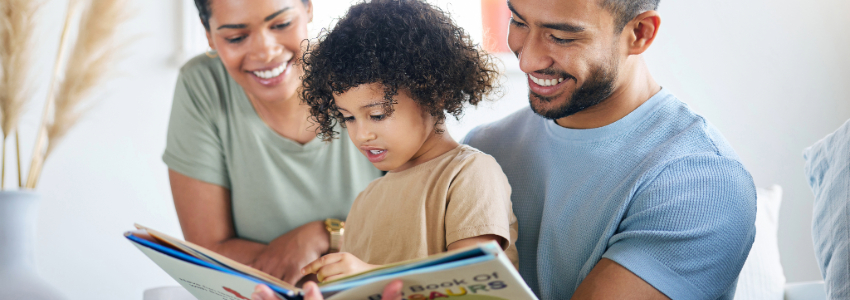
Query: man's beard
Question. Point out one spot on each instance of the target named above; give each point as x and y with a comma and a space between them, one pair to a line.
598, 87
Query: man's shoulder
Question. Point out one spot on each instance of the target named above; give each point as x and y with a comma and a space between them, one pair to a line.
514, 124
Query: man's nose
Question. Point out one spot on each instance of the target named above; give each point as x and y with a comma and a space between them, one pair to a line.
534, 56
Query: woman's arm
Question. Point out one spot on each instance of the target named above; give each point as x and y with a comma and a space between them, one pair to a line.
205, 215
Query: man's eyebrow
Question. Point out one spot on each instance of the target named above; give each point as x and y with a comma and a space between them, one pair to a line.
272, 16
563, 27
556, 26
511, 7
241, 26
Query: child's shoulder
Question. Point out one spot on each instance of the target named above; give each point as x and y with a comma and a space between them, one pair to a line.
470, 157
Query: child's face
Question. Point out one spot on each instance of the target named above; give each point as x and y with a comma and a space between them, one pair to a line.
392, 143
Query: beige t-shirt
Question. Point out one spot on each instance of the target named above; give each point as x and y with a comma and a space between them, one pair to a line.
420, 211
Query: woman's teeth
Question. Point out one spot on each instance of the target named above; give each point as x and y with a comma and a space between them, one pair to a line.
268, 74
545, 82
376, 152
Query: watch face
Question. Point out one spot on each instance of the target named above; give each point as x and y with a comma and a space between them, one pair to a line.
334, 224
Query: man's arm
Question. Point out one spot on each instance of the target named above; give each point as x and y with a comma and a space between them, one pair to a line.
609, 280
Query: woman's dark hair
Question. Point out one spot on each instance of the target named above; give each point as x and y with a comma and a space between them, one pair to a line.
204, 11
406, 45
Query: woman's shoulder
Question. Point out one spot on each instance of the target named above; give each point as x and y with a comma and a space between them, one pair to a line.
204, 66
203, 84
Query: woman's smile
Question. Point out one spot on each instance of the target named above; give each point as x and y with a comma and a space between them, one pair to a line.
273, 76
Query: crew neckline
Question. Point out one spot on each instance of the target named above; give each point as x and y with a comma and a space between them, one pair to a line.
248, 110
619, 127
431, 161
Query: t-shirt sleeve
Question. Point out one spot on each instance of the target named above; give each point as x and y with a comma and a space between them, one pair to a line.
688, 230
479, 202
194, 147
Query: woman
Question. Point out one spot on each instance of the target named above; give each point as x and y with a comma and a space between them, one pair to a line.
244, 162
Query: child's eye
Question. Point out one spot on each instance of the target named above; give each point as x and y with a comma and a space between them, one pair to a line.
348, 119
377, 117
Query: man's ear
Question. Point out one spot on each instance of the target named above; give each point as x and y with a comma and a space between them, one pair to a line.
642, 31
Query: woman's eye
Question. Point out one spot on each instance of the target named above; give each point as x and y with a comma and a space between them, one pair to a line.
235, 40
282, 25
348, 119
377, 117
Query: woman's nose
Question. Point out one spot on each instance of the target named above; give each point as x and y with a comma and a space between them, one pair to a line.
265, 48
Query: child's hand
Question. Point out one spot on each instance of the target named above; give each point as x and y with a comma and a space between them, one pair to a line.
336, 265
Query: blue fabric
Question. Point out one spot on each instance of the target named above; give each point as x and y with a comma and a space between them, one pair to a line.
660, 192
828, 169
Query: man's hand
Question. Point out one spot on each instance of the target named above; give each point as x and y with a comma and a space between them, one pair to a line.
286, 255
336, 265
392, 291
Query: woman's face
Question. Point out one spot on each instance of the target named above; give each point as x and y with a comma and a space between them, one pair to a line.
259, 42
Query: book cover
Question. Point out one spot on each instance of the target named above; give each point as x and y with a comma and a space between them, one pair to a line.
482, 272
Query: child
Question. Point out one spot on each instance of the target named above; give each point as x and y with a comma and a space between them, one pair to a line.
389, 72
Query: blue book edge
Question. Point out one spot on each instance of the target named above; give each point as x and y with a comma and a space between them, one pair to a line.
193, 260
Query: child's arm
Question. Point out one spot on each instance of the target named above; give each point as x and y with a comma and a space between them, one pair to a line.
467, 242
336, 265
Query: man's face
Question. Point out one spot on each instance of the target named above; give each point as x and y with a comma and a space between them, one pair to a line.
569, 51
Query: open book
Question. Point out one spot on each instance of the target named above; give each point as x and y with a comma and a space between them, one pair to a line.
482, 272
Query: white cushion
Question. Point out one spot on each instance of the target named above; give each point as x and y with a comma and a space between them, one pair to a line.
168, 293
828, 170
762, 277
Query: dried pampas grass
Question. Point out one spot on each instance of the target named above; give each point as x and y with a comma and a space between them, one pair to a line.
17, 29
90, 60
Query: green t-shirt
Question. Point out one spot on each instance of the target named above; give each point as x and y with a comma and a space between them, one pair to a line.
276, 184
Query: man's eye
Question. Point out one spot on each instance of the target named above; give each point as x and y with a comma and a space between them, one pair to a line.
517, 23
377, 117
562, 41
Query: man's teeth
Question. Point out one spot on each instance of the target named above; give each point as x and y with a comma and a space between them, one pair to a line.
376, 152
545, 82
268, 74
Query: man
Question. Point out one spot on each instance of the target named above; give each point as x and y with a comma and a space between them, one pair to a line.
620, 190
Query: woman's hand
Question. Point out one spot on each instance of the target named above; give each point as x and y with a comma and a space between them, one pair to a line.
286, 255
336, 265
392, 291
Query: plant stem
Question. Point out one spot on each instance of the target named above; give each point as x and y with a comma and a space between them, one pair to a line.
18, 150
3, 168
41, 139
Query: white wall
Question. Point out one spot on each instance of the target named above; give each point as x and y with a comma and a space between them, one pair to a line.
770, 74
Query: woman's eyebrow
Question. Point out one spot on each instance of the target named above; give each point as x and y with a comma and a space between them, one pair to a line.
272, 16
241, 26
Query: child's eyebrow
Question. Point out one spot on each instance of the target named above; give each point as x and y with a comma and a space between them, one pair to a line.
372, 104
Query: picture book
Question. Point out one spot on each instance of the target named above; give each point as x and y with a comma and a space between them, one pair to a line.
482, 272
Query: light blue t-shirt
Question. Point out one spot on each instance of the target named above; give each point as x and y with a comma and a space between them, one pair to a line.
660, 192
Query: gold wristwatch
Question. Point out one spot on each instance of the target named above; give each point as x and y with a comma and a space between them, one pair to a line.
336, 229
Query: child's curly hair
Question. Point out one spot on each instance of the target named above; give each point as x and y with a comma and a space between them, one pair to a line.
402, 45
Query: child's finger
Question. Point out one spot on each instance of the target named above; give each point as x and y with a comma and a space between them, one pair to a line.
329, 271
314, 266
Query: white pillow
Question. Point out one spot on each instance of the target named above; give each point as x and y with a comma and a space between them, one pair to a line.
762, 276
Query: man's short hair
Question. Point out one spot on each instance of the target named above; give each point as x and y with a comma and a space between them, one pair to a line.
626, 10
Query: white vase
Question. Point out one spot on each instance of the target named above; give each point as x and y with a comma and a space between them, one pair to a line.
18, 276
